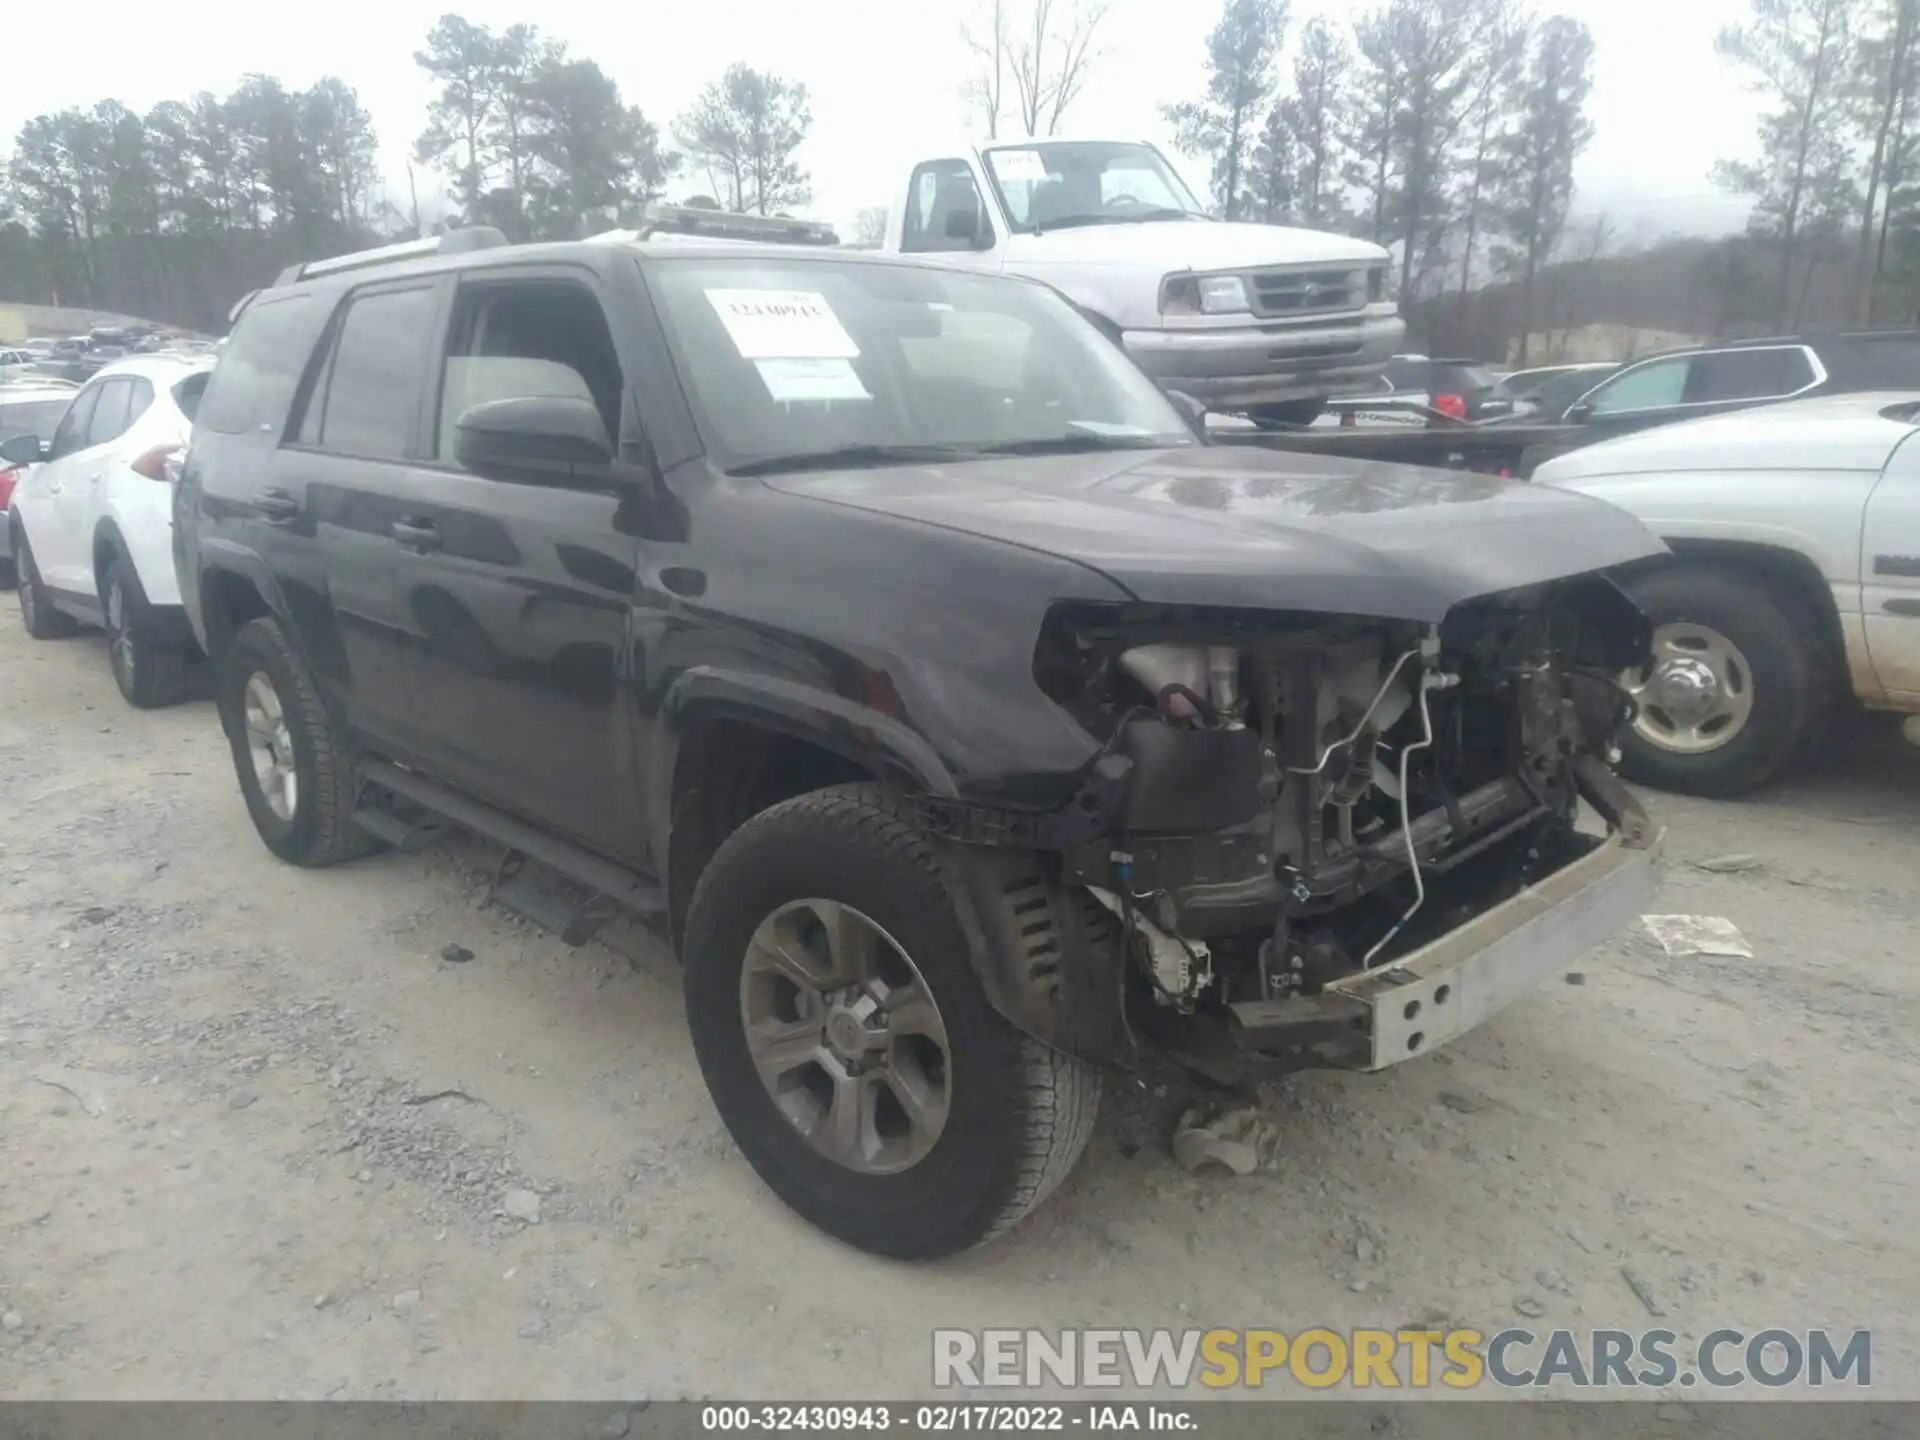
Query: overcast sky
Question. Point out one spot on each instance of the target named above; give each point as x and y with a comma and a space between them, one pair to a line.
885, 76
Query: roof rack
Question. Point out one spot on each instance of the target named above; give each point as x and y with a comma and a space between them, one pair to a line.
688, 222
453, 242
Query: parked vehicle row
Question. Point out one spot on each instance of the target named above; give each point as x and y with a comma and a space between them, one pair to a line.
971, 725
90, 524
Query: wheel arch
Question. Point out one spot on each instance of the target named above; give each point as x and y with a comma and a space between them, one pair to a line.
729, 746
1784, 572
108, 545
230, 596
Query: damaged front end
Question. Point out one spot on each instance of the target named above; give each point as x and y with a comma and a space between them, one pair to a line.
1312, 840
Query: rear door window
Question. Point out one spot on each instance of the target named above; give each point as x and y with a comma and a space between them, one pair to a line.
109, 421
253, 383
1760, 374
377, 380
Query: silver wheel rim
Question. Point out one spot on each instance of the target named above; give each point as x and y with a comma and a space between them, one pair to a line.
270, 746
845, 1036
1697, 695
122, 639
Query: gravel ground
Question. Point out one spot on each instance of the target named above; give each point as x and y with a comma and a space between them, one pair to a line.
260, 1138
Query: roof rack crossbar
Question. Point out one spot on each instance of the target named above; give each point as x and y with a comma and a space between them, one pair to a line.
694, 221
453, 242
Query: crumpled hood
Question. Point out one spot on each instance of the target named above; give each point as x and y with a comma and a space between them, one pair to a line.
1260, 529
1203, 245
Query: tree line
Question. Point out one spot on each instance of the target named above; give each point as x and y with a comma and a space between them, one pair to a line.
1448, 130
172, 214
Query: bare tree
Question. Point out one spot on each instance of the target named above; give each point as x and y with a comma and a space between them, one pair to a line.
1240, 57
744, 129
1889, 76
1049, 57
1422, 57
1491, 117
1536, 159
1316, 112
870, 227
1799, 55
986, 37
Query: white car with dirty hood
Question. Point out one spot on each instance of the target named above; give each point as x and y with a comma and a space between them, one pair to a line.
1264, 320
1794, 578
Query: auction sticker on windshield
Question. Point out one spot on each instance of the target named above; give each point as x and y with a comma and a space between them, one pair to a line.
782, 325
1013, 166
810, 380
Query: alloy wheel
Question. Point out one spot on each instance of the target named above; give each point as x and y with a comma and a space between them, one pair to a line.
270, 746
846, 1036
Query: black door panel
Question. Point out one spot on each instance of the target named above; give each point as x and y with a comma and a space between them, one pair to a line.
514, 629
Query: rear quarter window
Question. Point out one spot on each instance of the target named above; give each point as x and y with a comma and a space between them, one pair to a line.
253, 383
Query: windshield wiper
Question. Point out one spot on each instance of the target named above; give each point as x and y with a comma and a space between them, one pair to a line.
1085, 442
848, 457
1068, 222
1169, 212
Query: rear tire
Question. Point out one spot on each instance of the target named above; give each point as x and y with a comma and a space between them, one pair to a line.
1292, 415
278, 726
1782, 669
1017, 1114
150, 674
37, 614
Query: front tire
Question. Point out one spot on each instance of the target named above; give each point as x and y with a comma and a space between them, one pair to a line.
293, 759
150, 674
1733, 690
37, 614
789, 893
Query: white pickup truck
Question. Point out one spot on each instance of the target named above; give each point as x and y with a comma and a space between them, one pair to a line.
1794, 578
1259, 320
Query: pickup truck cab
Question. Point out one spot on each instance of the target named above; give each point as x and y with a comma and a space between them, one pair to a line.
1794, 578
1261, 320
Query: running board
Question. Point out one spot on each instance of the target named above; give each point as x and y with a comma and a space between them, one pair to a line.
407, 837
610, 885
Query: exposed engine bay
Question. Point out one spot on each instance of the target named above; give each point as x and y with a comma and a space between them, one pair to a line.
1294, 800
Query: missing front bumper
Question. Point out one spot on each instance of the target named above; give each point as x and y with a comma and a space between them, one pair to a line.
1451, 985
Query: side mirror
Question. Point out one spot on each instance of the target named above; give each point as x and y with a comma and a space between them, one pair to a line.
534, 439
21, 450
1579, 414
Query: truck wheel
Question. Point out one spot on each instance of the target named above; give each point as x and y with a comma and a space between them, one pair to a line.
148, 673
849, 1046
294, 763
37, 614
1732, 689
1293, 415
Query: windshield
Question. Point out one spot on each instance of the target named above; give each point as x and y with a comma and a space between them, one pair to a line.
787, 358
1054, 183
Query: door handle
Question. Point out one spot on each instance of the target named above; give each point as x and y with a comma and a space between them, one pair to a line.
276, 506
422, 535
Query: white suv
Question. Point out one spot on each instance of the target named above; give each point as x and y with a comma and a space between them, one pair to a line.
92, 526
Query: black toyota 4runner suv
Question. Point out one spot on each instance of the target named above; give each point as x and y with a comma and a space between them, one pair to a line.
971, 725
